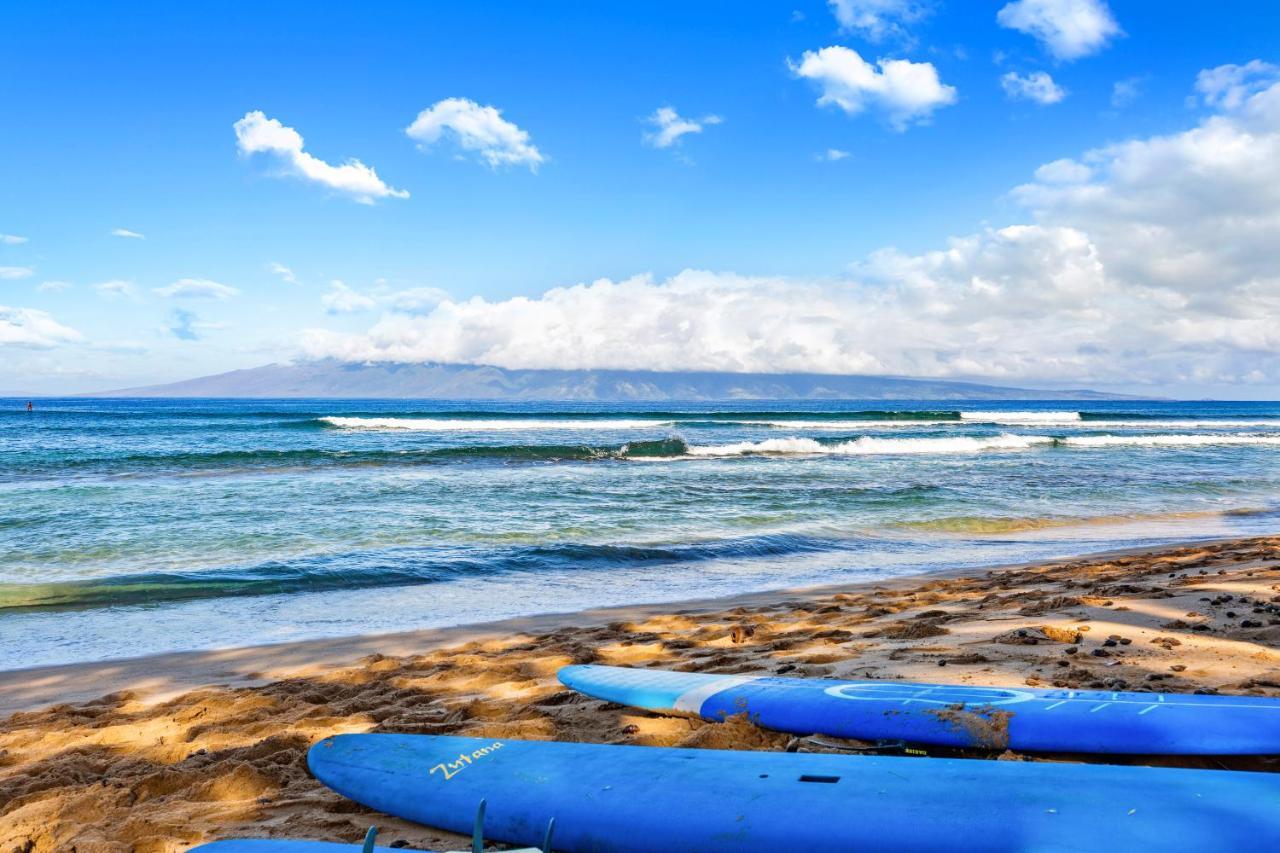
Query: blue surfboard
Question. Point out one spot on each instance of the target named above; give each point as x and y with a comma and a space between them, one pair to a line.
286, 845
953, 715
635, 799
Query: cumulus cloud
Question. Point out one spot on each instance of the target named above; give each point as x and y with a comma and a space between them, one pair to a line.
1229, 86
1068, 29
11, 240
196, 288
126, 233
255, 133
1152, 260
117, 289
480, 130
1036, 86
877, 19
669, 126
907, 92
12, 273
286, 274
29, 327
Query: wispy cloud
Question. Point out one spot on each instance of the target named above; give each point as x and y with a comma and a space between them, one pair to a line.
53, 286
1125, 92
1068, 29
125, 232
117, 289
906, 92
286, 274
255, 133
670, 126
342, 299
11, 273
878, 19
480, 130
11, 240
831, 155
185, 325
196, 288
1037, 86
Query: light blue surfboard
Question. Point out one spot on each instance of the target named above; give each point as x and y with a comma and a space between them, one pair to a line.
633, 799
953, 715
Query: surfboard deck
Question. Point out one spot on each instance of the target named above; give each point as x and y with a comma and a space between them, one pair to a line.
954, 715
631, 799
288, 845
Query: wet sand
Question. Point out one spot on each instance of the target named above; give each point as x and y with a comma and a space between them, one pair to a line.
160, 753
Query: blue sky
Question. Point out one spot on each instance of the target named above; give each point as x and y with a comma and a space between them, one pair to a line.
122, 119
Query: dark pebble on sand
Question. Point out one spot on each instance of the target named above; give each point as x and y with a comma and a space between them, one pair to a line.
1100, 653
1231, 614
1199, 627
942, 663
786, 667
1178, 667
1071, 650
1110, 643
1125, 641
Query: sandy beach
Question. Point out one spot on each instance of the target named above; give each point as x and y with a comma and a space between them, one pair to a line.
156, 754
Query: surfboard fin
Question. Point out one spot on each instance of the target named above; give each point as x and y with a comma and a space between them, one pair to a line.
369, 838
477, 832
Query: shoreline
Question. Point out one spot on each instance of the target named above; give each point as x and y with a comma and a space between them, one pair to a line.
158, 677
156, 754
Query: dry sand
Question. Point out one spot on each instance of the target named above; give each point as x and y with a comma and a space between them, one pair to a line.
162, 762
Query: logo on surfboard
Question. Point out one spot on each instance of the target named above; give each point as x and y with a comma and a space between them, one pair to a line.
449, 769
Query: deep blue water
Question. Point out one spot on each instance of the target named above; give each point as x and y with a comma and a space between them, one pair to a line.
130, 527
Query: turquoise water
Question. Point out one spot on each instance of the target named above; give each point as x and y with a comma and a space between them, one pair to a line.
131, 527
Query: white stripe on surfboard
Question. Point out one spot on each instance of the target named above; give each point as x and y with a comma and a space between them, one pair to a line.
691, 700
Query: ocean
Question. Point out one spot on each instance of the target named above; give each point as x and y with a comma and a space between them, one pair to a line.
131, 527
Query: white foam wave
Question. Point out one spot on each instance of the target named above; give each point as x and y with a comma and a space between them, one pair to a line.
869, 446
476, 425
1167, 440
1060, 420
1021, 417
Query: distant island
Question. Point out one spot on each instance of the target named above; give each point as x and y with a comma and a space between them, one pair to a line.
329, 378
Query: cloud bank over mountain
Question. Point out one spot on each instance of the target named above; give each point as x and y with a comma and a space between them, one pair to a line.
1151, 261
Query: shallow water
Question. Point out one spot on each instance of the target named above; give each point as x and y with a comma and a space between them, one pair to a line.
130, 527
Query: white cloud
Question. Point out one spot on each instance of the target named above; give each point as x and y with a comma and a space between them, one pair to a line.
670, 126
1152, 260
478, 129
877, 19
11, 240
906, 91
1065, 171
414, 300
125, 232
1229, 86
1069, 29
286, 274
1036, 86
255, 133
832, 155
196, 288
13, 273
342, 299
29, 327
117, 289
1125, 92
53, 286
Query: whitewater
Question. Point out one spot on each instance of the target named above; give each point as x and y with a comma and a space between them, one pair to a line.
131, 527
